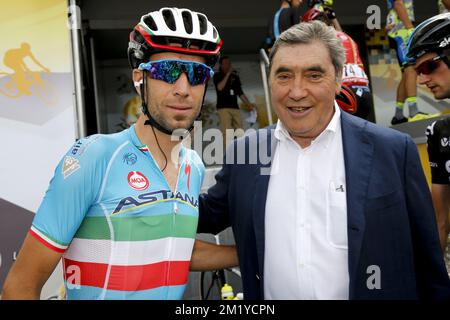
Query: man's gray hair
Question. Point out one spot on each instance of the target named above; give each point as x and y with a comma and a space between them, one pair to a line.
308, 32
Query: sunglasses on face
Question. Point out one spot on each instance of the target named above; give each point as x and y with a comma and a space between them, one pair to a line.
170, 70
428, 66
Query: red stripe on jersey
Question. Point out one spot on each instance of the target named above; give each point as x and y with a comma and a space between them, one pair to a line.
45, 243
130, 278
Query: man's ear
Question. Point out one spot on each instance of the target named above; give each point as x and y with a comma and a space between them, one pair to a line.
338, 88
137, 79
338, 82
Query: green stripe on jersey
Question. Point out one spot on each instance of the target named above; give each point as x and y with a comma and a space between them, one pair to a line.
139, 228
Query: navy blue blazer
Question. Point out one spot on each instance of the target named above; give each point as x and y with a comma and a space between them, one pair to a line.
390, 215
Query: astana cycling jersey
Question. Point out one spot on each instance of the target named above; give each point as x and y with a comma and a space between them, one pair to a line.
394, 20
123, 232
353, 73
438, 145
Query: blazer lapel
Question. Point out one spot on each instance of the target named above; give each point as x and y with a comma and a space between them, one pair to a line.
261, 183
358, 156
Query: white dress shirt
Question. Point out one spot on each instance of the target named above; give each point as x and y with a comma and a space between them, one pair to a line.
306, 252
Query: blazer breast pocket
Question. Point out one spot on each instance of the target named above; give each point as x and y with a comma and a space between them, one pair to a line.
384, 202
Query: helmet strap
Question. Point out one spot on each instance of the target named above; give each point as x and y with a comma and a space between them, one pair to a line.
446, 59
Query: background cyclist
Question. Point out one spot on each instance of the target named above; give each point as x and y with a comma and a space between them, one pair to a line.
285, 17
429, 46
399, 25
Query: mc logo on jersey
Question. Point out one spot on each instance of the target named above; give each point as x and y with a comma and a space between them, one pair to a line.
137, 180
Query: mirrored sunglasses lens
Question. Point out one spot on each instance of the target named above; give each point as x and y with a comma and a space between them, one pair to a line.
165, 71
170, 71
199, 74
427, 67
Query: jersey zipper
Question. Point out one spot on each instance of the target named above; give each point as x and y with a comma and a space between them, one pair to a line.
175, 211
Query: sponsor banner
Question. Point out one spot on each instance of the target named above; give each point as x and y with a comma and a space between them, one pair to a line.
37, 117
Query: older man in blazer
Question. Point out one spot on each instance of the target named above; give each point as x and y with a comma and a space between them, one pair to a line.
325, 205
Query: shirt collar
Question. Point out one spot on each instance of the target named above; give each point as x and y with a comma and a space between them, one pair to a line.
137, 142
134, 137
324, 138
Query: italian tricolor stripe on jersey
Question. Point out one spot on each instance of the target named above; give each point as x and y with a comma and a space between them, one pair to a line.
138, 228
144, 148
46, 240
130, 278
131, 253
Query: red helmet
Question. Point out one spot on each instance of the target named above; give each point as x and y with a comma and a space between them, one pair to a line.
313, 14
346, 99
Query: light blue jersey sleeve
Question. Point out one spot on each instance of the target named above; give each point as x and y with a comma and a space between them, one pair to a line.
74, 187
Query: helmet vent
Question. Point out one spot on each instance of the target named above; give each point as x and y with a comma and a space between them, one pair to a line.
187, 21
169, 19
214, 33
150, 22
203, 24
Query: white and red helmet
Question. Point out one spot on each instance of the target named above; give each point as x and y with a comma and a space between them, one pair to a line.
174, 30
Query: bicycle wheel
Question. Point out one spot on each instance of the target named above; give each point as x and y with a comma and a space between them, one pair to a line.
44, 90
9, 88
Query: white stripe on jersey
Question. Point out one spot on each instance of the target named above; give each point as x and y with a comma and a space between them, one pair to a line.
127, 253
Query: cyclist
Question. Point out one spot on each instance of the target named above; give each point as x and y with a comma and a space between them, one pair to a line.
14, 60
353, 76
285, 17
429, 46
399, 25
326, 6
122, 209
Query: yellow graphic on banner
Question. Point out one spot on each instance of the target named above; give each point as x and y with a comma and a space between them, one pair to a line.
34, 52
24, 81
41, 23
